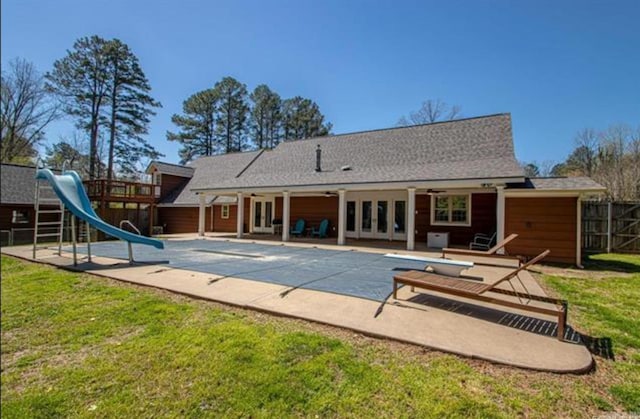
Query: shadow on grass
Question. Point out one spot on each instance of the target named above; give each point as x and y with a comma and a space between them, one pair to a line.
601, 347
593, 263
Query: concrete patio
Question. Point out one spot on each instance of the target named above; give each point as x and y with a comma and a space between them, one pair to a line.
440, 322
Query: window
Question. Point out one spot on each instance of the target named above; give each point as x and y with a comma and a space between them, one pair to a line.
451, 210
20, 217
224, 212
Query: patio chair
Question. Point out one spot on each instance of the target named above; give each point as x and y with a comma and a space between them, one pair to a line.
482, 241
478, 291
492, 252
321, 232
298, 230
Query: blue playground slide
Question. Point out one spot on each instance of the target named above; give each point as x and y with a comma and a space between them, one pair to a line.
70, 190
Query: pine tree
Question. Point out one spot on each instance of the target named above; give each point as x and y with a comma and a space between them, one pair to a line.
81, 80
265, 117
233, 111
301, 118
198, 126
131, 108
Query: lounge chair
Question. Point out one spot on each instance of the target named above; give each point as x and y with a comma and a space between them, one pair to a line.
492, 252
478, 291
482, 241
298, 230
321, 232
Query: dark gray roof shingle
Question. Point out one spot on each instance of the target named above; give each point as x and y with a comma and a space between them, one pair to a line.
213, 169
473, 148
558, 184
18, 185
171, 169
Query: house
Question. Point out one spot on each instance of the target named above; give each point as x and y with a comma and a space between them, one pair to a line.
17, 199
448, 180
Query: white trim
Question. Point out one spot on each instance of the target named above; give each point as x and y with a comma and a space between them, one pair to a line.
286, 215
240, 216
528, 193
201, 214
342, 212
222, 209
374, 186
262, 228
410, 221
432, 211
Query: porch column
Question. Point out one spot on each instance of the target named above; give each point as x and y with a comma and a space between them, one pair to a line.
286, 213
201, 214
411, 218
240, 215
500, 216
342, 209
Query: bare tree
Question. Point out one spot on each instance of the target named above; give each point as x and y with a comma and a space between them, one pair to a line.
431, 111
25, 111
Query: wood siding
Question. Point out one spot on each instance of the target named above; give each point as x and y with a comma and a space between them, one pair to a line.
483, 219
542, 223
175, 220
169, 183
314, 209
225, 225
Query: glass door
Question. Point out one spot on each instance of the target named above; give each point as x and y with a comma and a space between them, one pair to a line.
351, 219
399, 220
381, 220
268, 214
257, 216
366, 219
263, 216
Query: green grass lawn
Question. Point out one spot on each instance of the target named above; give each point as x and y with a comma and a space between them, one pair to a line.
79, 345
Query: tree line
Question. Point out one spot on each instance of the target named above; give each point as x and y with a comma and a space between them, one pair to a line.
100, 85
611, 157
226, 119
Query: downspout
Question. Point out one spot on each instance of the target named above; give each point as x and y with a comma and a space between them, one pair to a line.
579, 232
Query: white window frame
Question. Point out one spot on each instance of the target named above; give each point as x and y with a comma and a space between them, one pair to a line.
15, 219
224, 212
450, 223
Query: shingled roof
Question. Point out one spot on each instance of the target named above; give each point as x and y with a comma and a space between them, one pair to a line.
18, 185
214, 169
472, 148
171, 169
551, 184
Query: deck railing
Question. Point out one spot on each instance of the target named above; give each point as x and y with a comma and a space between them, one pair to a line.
99, 189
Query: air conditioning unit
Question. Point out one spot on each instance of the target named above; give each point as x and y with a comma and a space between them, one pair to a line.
437, 240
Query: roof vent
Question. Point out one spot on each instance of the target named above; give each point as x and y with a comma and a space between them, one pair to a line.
318, 159
345, 168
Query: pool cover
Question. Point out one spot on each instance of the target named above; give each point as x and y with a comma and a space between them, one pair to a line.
345, 272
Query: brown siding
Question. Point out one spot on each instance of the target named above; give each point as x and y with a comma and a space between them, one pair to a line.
225, 225
314, 209
483, 219
542, 223
182, 220
169, 183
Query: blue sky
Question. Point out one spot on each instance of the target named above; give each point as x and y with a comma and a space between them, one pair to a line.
557, 66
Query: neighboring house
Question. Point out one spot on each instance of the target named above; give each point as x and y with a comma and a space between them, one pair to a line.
17, 199
456, 178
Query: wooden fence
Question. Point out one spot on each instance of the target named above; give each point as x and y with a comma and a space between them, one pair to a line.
610, 227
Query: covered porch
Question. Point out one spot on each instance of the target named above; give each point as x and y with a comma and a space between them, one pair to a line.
397, 218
